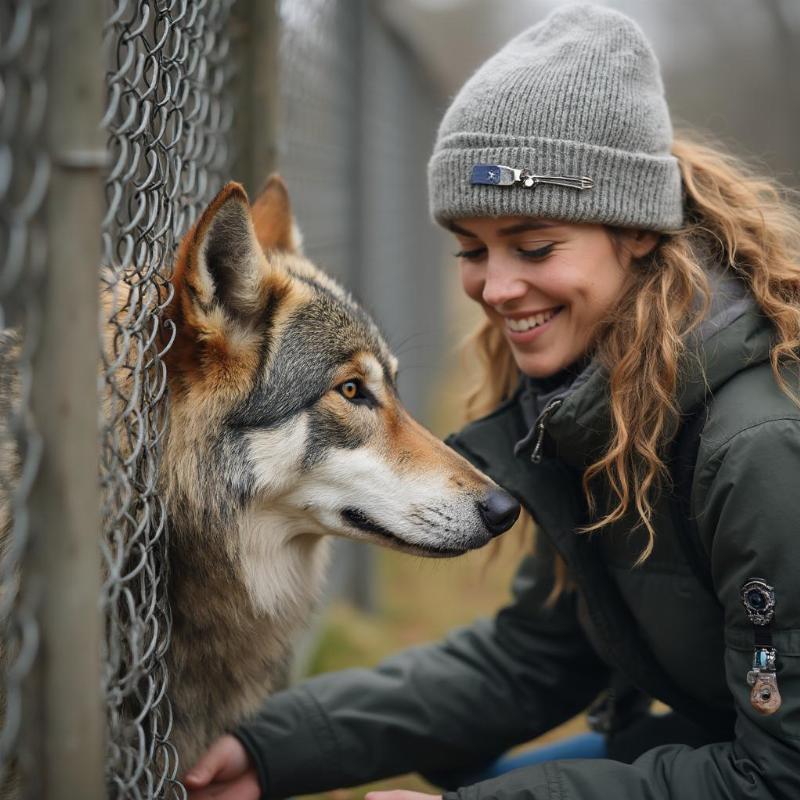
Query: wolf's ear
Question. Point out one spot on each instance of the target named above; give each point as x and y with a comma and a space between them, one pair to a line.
223, 263
275, 226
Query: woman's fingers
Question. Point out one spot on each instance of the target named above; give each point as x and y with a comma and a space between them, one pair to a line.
224, 772
244, 788
224, 761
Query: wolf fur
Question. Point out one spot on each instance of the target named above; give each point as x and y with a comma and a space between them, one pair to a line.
285, 427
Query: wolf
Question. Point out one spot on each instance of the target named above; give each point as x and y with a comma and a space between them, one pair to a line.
284, 428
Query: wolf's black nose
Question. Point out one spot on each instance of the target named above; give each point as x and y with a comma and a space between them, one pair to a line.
499, 511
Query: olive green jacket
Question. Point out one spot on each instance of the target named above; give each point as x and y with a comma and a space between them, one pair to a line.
499, 682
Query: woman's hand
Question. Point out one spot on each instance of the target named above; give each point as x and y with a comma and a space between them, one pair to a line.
401, 794
224, 772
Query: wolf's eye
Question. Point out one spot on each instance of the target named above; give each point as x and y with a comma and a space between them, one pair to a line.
355, 392
350, 390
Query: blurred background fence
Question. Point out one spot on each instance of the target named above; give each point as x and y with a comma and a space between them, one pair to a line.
119, 120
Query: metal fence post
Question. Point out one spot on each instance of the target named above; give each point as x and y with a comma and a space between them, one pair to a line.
64, 725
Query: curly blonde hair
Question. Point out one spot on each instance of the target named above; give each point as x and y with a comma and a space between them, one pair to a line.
747, 225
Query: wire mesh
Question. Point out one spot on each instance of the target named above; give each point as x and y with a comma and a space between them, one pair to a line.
24, 171
167, 120
401, 249
320, 120
358, 118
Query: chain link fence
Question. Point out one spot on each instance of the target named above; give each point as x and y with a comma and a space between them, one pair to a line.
24, 172
171, 141
168, 119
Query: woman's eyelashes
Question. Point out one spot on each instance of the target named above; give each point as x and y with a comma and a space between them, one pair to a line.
473, 254
529, 254
536, 254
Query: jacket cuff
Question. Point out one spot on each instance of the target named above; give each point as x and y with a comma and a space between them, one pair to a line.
291, 743
251, 746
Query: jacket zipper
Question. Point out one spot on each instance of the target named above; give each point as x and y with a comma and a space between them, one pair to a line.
536, 455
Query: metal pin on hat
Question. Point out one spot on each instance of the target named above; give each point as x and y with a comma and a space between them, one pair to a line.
758, 599
500, 175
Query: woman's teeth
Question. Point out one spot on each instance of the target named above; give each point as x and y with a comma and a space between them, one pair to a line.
521, 325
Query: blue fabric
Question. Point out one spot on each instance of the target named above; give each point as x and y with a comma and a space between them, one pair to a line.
585, 745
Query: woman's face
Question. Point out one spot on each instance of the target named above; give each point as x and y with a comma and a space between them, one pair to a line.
545, 284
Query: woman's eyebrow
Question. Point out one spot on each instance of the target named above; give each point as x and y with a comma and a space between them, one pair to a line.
519, 227
527, 225
459, 230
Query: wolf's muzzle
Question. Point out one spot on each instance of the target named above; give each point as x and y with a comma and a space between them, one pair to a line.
499, 511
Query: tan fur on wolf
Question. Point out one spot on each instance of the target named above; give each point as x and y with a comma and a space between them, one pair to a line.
269, 450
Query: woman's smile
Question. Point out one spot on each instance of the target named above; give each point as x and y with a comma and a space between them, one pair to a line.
528, 326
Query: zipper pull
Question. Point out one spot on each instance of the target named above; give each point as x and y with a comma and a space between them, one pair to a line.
536, 455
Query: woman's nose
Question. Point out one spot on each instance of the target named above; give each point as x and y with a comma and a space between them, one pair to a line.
502, 284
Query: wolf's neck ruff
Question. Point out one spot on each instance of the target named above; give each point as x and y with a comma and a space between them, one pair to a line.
230, 649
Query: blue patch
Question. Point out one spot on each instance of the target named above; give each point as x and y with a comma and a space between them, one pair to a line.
492, 175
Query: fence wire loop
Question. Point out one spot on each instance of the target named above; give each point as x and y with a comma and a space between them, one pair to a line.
167, 118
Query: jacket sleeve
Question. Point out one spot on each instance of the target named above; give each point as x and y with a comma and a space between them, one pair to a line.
747, 493
450, 705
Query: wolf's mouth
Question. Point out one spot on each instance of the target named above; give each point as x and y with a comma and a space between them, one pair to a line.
363, 522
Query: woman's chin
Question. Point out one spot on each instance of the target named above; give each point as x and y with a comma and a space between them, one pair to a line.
540, 365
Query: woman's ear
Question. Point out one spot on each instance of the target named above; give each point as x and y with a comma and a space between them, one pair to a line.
639, 243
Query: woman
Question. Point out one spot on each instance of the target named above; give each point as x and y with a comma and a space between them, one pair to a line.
641, 345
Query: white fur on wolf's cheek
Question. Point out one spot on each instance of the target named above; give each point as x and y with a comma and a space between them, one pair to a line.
361, 479
283, 556
275, 455
283, 566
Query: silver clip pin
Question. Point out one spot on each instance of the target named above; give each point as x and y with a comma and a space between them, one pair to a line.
500, 175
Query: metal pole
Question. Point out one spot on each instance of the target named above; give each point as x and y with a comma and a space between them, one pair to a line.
64, 724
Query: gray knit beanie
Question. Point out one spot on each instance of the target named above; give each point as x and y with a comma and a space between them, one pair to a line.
575, 100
